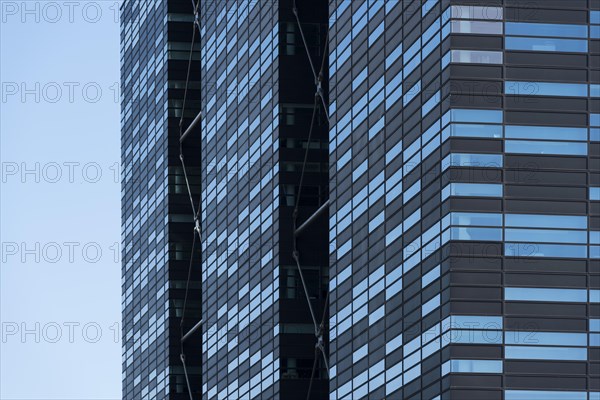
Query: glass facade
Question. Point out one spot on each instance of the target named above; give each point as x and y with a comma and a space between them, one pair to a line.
464, 209
257, 100
157, 219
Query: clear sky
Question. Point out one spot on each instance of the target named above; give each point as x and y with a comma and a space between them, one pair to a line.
60, 295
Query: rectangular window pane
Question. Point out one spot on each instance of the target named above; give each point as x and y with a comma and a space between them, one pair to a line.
545, 338
543, 395
546, 44
545, 132
545, 294
482, 234
476, 56
546, 236
545, 353
472, 160
476, 189
476, 366
545, 89
473, 130
543, 147
555, 30
475, 219
470, 115
546, 221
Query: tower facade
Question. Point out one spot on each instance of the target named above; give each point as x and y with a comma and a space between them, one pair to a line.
464, 196
258, 99
157, 220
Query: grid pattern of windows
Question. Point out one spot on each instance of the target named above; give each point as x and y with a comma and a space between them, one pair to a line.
464, 204
156, 214
258, 338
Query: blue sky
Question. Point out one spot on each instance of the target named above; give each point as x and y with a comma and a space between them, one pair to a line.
60, 295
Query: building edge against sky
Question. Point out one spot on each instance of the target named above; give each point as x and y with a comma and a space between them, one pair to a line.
464, 189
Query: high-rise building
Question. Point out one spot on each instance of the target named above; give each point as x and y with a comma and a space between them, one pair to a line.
465, 215
157, 221
258, 98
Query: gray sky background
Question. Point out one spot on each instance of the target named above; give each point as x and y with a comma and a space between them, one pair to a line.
60, 295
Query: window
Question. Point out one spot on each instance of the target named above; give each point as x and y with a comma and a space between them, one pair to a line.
479, 234
430, 305
545, 250
473, 130
545, 353
554, 30
545, 294
595, 193
545, 89
471, 115
472, 160
543, 395
546, 44
545, 221
472, 366
476, 56
543, 147
546, 236
477, 27
545, 132
472, 189
475, 219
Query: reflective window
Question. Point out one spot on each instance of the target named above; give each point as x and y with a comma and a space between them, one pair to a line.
482, 234
476, 219
545, 89
472, 115
543, 147
474, 189
543, 395
545, 132
478, 27
476, 56
545, 250
546, 236
430, 276
546, 44
545, 294
594, 325
595, 193
474, 130
545, 353
555, 30
472, 366
472, 160
430, 305
545, 221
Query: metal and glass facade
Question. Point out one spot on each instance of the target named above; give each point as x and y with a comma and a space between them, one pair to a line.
257, 98
157, 220
465, 209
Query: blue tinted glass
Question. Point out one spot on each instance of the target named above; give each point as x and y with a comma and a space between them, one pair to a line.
546, 44
595, 17
476, 366
595, 32
594, 251
556, 30
594, 396
594, 90
473, 130
545, 353
360, 78
595, 193
545, 221
595, 134
546, 236
477, 219
594, 296
473, 160
543, 395
594, 237
430, 305
467, 115
541, 147
430, 276
594, 325
545, 250
483, 234
545, 89
594, 119
545, 338
476, 189
545, 132
545, 294
432, 102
